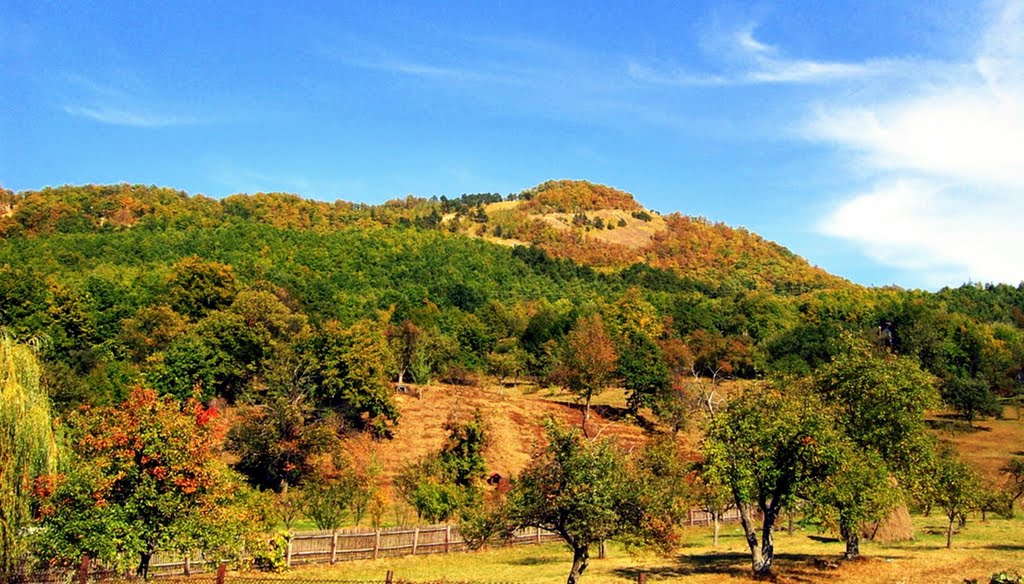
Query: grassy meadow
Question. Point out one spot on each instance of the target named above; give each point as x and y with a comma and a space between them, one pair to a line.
979, 549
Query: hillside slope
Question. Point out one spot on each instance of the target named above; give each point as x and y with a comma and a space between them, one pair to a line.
605, 227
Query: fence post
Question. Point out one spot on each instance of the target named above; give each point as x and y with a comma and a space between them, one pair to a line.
376, 544
188, 565
689, 515
334, 546
288, 553
389, 578
641, 578
222, 569
447, 537
538, 535
415, 540
83, 570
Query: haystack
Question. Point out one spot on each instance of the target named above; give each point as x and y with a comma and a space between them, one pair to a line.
896, 527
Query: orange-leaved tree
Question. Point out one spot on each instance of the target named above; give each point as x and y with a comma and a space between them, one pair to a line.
146, 476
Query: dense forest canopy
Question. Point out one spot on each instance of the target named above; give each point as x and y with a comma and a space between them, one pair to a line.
133, 284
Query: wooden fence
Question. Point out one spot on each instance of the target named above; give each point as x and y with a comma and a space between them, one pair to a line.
326, 547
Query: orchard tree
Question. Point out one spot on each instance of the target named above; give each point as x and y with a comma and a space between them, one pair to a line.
145, 476
28, 448
860, 490
326, 499
957, 490
770, 447
880, 403
1014, 471
587, 493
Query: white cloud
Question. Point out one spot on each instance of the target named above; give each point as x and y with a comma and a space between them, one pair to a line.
947, 161
940, 235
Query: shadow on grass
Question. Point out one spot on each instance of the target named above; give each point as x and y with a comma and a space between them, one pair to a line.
955, 426
611, 413
823, 539
791, 567
1003, 547
535, 561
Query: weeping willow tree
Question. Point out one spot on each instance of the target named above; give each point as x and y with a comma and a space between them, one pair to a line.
27, 444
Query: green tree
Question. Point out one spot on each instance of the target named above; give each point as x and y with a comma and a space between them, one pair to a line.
860, 490
770, 447
404, 340
348, 369
585, 492
428, 487
971, 397
957, 490
28, 447
880, 403
278, 442
326, 500
643, 371
197, 286
1014, 471
462, 453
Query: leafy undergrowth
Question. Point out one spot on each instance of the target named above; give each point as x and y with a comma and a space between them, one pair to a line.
979, 550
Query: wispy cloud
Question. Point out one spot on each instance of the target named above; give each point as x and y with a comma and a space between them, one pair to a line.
947, 165
123, 117
748, 61
433, 71
111, 104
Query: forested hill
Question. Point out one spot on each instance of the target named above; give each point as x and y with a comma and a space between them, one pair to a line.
254, 296
590, 224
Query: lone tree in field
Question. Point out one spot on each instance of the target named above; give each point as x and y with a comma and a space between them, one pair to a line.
770, 447
27, 445
586, 493
589, 363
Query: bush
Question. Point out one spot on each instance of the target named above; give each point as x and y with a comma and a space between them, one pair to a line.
1007, 577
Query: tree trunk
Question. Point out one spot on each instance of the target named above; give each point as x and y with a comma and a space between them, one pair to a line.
586, 416
580, 557
852, 539
760, 555
718, 524
763, 567
949, 532
143, 570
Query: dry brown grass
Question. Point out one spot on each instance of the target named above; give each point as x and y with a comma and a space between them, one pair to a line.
516, 419
988, 445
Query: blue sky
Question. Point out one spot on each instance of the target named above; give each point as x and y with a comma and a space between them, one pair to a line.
883, 141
